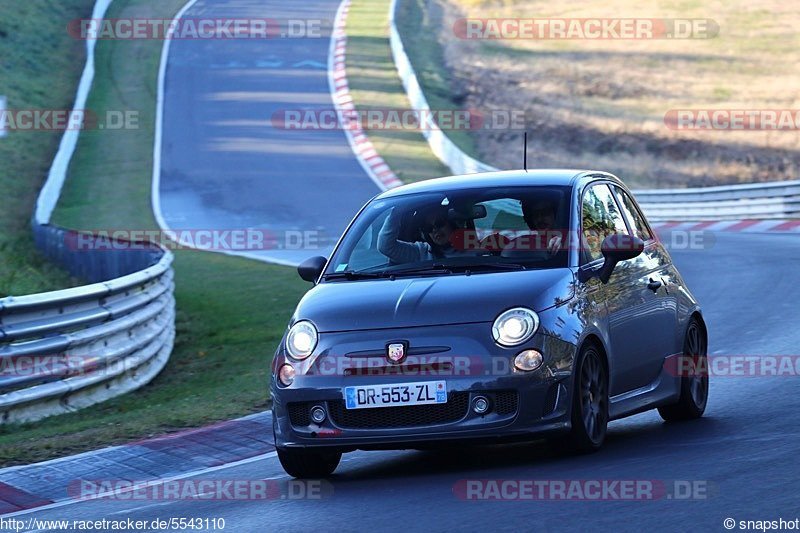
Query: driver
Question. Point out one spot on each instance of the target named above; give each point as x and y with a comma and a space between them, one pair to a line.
540, 216
436, 228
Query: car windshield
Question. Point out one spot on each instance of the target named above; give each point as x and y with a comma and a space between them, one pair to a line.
463, 230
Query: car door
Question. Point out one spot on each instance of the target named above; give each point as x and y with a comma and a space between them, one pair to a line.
654, 268
630, 306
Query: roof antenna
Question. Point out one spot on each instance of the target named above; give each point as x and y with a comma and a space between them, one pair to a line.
525, 152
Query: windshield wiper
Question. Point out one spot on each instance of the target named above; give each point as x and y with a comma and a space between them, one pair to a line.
355, 274
434, 269
490, 266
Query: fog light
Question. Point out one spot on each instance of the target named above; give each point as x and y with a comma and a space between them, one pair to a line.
286, 375
528, 360
317, 414
480, 405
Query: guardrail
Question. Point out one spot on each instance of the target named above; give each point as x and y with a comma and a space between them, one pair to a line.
64, 350
68, 349
775, 200
441, 145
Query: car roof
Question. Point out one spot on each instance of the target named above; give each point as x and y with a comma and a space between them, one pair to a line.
506, 178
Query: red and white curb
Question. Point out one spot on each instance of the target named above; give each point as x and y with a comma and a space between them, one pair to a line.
744, 226
152, 461
365, 152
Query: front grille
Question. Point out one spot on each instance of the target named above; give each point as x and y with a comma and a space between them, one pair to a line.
299, 414
506, 402
550, 399
402, 416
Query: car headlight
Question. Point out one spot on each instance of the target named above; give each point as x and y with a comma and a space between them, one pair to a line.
515, 326
302, 339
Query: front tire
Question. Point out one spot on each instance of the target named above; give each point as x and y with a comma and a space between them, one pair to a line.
303, 463
589, 404
694, 377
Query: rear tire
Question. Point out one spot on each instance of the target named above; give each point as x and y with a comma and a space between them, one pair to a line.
303, 463
694, 386
589, 404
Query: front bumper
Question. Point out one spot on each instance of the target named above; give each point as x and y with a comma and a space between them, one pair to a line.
522, 405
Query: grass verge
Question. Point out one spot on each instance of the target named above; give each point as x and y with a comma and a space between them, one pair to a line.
231, 311
374, 84
40, 69
602, 103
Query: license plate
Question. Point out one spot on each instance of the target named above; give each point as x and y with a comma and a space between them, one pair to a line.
422, 393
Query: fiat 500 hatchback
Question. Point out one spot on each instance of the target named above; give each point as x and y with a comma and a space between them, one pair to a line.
490, 307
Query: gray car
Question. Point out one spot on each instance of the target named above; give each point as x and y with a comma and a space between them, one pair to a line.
486, 308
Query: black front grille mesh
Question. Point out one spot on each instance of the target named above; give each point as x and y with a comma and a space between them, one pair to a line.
299, 414
402, 416
503, 403
506, 402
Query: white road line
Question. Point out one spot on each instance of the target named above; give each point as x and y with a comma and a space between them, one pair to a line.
155, 195
109, 448
64, 503
50, 192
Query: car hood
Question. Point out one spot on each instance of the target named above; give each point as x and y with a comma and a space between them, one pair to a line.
425, 301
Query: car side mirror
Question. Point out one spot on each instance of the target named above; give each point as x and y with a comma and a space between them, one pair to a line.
618, 247
311, 268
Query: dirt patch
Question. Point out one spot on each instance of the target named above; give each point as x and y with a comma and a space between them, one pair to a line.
601, 105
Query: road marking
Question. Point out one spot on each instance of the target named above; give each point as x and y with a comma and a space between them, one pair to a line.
269, 64
310, 63
64, 503
155, 193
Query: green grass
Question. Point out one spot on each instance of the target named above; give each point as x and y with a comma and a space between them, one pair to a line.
374, 84
418, 29
231, 312
40, 68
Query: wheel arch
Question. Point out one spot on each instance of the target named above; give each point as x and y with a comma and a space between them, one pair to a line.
697, 315
597, 342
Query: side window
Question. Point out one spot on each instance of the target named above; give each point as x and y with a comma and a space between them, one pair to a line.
600, 217
633, 215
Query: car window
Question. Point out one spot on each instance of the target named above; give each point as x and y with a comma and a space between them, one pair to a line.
633, 214
479, 229
365, 254
600, 217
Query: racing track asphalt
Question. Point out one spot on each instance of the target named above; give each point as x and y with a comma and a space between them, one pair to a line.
225, 164
745, 449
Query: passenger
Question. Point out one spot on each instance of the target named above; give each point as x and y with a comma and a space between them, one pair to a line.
436, 229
